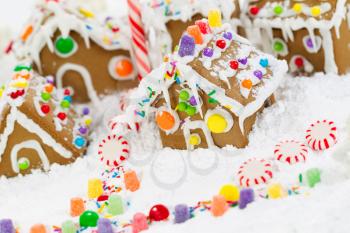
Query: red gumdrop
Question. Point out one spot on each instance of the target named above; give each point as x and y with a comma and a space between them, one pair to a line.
158, 213
221, 44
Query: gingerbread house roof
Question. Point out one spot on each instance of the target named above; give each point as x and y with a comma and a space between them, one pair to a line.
225, 66
34, 103
294, 15
65, 16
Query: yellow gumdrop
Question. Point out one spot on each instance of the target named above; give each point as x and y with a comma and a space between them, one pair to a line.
195, 139
217, 123
214, 18
275, 191
315, 11
95, 188
297, 7
230, 192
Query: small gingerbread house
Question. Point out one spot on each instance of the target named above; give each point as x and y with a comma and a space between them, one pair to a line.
313, 36
165, 21
38, 125
73, 45
210, 91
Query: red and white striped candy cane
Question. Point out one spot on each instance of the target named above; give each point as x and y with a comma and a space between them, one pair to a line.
138, 38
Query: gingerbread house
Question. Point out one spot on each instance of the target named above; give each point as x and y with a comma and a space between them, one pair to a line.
79, 49
165, 21
38, 126
313, 36
210, 91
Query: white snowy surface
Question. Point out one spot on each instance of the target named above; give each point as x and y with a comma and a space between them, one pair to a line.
44, 198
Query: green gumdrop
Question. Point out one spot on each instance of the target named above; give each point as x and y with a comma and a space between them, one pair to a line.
190, 110
313, 176
184, 95
23, 164
278, 10
68, 227
182, 106
64, 45
88, 219
65, 104
278, 46
45, 96
115, 205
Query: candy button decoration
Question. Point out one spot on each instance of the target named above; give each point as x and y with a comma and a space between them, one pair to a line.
23, 163
297, 7
254, 172
113, 150
65, 46
165, 120
321, 135
254, 10
194, 139
291, 152
278, 10
315, 11
214, 18
217, 123
158, 213
124, 68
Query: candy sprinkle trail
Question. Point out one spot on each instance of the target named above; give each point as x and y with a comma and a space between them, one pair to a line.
101, 218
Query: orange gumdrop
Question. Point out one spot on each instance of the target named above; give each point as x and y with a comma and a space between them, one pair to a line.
38, 228
247, 83
124, 68
195, 32
27, 32
49, 88
131, 181
165, 120
77, 206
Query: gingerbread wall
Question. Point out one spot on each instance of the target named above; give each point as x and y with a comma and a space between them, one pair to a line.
95, 59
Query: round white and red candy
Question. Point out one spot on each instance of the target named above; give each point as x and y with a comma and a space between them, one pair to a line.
114, 125
291, 152
254, 172
113, 150
321, 135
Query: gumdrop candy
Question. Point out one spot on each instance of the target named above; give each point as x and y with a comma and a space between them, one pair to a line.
158, 212
104, 226
313, 176
187, 46
182, 213
195, 32
95, 188
131, 181
6, 226
38, 228
77, 206
275, 191
246, 197
139, 223
68, 227
115, 205
88, 219
219, 206
214, 18
203, 26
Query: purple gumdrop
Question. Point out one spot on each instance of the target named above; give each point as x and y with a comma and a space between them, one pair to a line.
228, 35
208, 52
83, 130
309, 43
182, 213
246, 196
243, 60
187, 46
6, 226
193, 101
258, 74
86, 111
104, 226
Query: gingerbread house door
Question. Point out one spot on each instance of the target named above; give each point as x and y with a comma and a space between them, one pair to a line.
84, 75
18, 159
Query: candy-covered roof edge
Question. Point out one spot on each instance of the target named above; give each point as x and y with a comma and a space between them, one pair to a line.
296, 23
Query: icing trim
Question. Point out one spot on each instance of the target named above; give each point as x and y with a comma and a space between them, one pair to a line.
30, 144
84, 74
